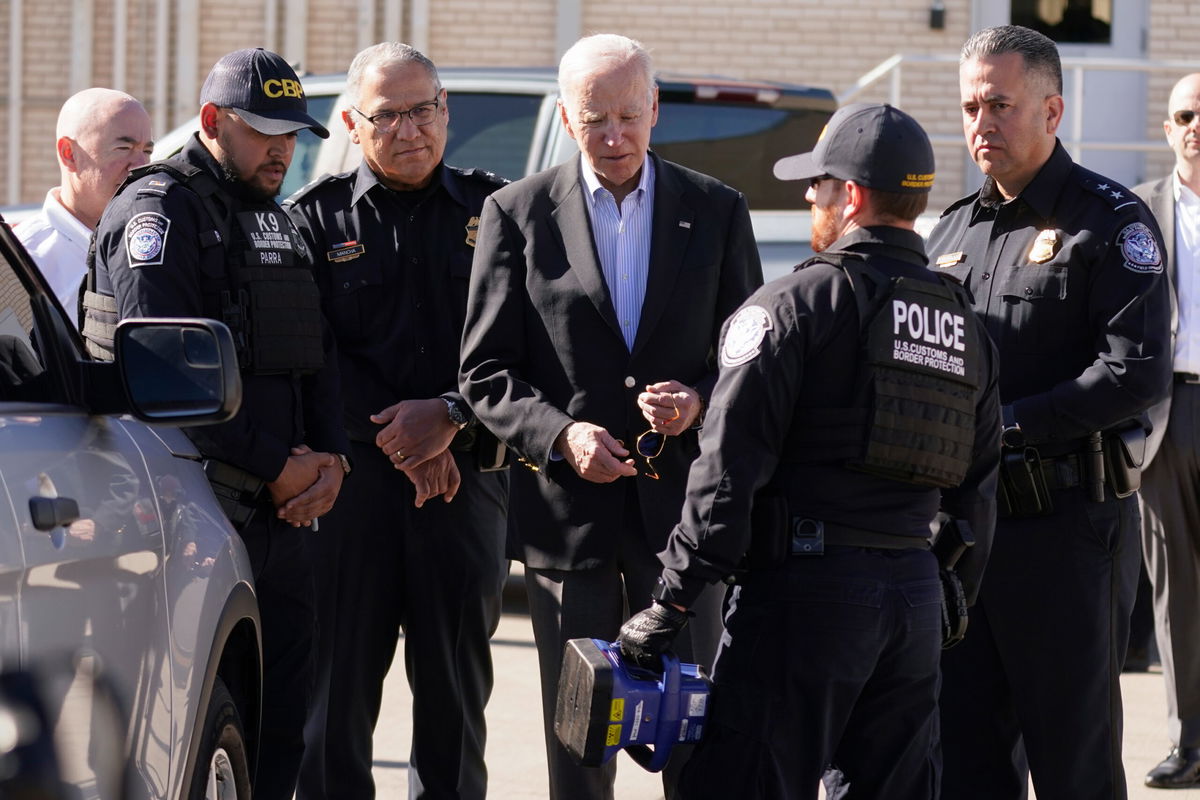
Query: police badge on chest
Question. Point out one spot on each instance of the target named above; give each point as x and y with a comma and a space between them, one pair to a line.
1044, 246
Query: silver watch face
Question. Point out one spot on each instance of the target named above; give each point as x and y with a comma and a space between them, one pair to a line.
456, 414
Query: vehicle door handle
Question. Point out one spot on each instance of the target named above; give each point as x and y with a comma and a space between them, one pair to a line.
49, 513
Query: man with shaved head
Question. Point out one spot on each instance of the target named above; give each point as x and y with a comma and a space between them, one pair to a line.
1170, 512
101, 135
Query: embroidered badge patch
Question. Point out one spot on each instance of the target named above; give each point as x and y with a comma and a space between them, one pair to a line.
1139, 248
744, 335
146, 238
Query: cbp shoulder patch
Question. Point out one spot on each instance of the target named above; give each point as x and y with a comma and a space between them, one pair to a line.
1139, 248
146, 238
744, 335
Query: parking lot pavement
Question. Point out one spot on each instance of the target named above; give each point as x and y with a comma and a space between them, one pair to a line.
516, 755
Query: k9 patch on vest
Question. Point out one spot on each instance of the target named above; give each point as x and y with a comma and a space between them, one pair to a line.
146, 239
266, 230
1139, 248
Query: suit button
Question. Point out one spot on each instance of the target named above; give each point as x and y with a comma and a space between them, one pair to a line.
630, 382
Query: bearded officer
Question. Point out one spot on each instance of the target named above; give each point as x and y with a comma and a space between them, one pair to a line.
856, 398
200, 235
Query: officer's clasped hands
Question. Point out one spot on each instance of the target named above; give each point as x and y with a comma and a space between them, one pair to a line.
414, 431
649, 633
437, 476
307, 486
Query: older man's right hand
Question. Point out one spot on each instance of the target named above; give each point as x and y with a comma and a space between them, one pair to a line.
593, 453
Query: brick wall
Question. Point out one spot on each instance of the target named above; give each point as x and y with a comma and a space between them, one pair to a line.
510, 33
803, 41
1174, 32
43, 90
332, 35
811, 42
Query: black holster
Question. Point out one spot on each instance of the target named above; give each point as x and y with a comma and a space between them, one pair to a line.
1124, 455
1022, 490
237, 491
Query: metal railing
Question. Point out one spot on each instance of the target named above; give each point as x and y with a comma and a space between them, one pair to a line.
892, 70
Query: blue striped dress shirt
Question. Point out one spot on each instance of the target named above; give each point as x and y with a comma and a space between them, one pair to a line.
623, 243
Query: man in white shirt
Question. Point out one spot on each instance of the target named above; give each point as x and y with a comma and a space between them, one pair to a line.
1170, 510
101, 135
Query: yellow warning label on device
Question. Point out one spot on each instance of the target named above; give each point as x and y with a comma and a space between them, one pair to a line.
614, 735
617, 712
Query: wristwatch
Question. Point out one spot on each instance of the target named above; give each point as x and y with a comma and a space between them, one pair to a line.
345, 463
458, 418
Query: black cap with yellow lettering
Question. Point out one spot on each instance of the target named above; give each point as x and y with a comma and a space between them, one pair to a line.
874, 145
264, 91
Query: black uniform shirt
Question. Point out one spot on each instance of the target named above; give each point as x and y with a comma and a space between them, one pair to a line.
1069, 278
393, 268
808, 356
173, 237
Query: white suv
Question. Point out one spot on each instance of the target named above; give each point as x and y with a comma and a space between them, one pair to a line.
117, 567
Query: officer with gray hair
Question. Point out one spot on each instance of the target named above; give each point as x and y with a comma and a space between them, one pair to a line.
416, 542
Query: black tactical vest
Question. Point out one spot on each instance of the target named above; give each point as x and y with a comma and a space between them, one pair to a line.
913, 412
258, 286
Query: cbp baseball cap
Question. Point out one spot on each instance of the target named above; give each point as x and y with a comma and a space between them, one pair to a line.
876, 146
264, 91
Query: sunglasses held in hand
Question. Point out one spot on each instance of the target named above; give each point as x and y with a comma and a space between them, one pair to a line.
651, 443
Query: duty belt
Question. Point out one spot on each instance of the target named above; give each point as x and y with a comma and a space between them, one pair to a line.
1186, 377
1062, 472
806, 531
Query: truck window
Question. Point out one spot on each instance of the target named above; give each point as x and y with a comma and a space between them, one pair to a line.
304, 161
492, 131
738, 144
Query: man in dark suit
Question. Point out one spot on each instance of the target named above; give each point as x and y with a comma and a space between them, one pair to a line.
597, 296
1170, 509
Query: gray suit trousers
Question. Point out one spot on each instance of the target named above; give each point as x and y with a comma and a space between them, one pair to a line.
1171, 544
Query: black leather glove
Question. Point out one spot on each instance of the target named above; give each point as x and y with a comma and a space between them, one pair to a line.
647, 634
